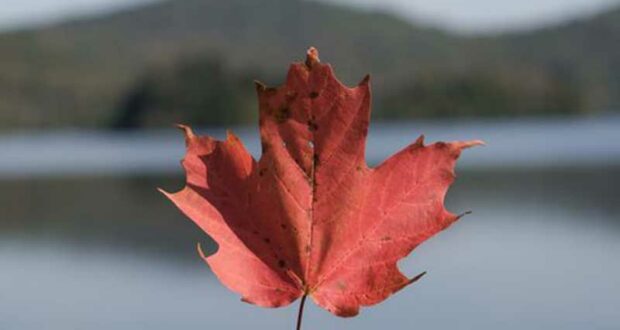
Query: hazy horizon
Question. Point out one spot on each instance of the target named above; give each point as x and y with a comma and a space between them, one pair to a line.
474, 16
486, 16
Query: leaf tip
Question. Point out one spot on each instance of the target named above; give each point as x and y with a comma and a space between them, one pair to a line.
260, 87
416, 278
187, 131
312, 57
165, 193
200, 251
230, 136
463, 214
364, 80
419, 141
472, 143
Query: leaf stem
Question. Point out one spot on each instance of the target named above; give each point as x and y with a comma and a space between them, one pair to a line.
300, 314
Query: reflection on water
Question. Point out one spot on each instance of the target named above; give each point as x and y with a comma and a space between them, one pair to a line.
540, 251
513, 143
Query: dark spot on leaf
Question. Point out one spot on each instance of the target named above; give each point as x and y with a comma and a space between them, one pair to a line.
312, 126
386, 238
314, 94
441, 145
262, 171
266, 240
282, 114
307, 249
359, 168
255, 232
281, 263
283, 226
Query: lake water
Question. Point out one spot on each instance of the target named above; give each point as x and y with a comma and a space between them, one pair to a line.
99, 248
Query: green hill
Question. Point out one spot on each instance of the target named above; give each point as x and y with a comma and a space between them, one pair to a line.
193, 60
585, 52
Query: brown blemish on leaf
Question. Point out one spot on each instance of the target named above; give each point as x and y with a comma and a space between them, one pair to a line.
282, 114
312, 126
281, 263
316, 160
264, 146
313, 95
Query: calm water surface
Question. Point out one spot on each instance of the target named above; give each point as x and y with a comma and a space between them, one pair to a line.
540, 251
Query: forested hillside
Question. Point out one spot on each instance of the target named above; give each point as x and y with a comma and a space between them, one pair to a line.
194, 61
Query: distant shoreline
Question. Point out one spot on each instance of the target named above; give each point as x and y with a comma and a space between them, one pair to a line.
511, 144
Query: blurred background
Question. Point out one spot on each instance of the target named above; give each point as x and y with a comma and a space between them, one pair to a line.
89, 90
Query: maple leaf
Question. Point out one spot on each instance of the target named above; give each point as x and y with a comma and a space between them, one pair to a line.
310, 217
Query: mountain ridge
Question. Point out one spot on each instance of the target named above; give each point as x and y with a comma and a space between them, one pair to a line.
81, 72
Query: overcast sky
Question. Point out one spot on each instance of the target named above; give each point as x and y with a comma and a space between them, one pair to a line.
488, 15
462, 15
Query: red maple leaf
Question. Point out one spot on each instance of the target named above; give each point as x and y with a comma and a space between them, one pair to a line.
310, 218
